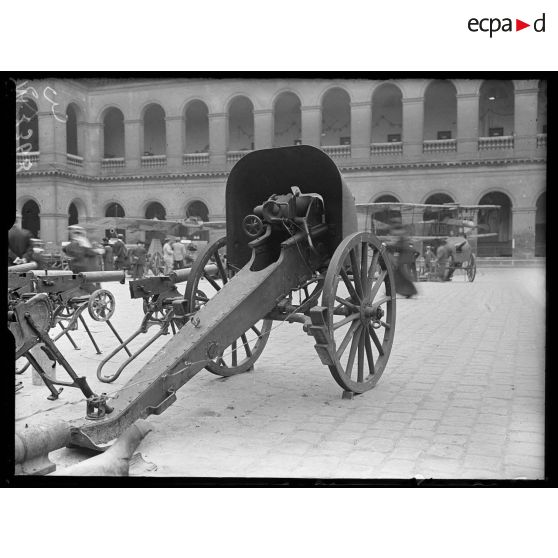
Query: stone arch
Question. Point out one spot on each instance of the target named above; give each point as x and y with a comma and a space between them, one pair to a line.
113, 135
336, 117
287, 119
499, 222
197, 208
496, 108
240, 112
154, 130
387, 113
440, 110
196, 126
78, 213
155, 210
31, 217
114, 209
74, 129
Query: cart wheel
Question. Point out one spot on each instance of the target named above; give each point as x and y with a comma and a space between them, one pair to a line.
472, 268
101, 305
359, 298
241, 355
158, 315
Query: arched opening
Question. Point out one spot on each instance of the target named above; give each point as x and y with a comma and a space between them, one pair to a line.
72, 143
287, 122
197, 127
433, 217
154, 131
113, 134
241, 125
197, 209
382, 220
497, 222
496, 108
30, 218
540, 226
541, 108
336, 118
27, 126
155, 210
115, 210
387, 114
440, 111
73, 215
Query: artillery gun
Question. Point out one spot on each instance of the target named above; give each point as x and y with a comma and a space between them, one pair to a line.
293, 254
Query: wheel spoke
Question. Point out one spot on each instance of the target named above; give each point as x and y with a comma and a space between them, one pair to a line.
347, 303
372, 269
211, 281
234, 355
246, 346
374, 336
347, 338
352, 352
356, 272
377, 285
369, 354
364, 267
258, 332
349, 318
221, 268
360, 376
349, 285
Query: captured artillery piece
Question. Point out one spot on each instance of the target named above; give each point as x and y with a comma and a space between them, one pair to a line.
37, 301
291, 232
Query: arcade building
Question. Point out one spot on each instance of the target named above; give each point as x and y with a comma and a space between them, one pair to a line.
163, 148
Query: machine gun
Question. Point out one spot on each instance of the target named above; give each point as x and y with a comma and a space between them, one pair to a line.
281, 242
42, 299
163, 306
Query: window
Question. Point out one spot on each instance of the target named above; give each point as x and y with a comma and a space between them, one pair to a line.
495, 132
445, 135
394, 138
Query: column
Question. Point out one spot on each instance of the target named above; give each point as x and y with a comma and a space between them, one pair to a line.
133, 143
175, 134
53, 227
525, 117
263, 129
467, 125
523, 231
413, 119
361, 121
46, 137
91, 150
311, 122
218, 136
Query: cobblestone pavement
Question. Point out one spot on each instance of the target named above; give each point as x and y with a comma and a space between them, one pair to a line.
462, 396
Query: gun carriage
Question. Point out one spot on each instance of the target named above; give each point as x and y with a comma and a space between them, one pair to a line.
293, 254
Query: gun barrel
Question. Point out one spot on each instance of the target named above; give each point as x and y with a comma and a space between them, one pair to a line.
181, 275
102, 276
23, 267
43, 272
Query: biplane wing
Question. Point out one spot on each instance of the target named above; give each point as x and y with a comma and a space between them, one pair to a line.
136, 224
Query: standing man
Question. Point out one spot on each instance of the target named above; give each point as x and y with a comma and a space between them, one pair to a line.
120, 253
83, 257
168, 256
108, 256
179, 253
138, 255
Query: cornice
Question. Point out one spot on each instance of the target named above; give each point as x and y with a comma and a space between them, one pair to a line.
349, 167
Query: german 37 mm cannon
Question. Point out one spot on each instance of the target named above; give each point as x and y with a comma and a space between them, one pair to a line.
293, 254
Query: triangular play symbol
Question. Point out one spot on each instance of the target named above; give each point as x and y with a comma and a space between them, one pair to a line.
519, 25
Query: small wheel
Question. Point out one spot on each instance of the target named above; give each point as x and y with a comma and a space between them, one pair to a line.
252, 225
241, 355
101, 305
157, 315
472, 268
359, 294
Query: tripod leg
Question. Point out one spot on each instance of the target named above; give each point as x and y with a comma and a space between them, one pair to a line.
89, 333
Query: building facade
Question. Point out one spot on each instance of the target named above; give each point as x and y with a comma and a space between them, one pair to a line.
163, 148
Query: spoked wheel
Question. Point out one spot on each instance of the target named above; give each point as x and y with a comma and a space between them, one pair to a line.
241, 355
157, 315
359, 295
472, 268
101, 305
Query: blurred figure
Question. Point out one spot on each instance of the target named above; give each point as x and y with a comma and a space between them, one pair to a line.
83, 257
191, 254
178, 254
19, 245
168, 256
429, 260
403, 256
138, 259
444, 258
108, 256
120, 253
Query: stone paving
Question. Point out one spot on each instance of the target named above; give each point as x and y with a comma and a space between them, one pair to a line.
462, 396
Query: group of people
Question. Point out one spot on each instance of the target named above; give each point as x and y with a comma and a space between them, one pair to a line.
176, 255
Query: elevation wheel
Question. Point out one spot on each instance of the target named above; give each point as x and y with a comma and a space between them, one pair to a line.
101, 305
241, 355
359, 295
